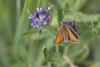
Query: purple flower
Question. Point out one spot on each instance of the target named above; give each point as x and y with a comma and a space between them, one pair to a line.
41, 16
52, 7
62, 21
42, 12
39, 11
32, 17
45, 19
45, 12
36, 23
74, 26
69, 23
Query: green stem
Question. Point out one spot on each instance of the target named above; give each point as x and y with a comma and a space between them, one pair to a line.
18, 9
38, 4
23, 22
57, 52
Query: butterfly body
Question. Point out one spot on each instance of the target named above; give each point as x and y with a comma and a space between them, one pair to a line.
65, 32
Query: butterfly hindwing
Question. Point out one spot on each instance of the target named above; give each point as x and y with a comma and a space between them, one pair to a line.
65, 32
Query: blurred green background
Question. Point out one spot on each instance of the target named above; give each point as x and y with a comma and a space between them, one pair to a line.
22, 46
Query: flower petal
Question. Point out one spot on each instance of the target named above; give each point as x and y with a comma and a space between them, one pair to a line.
39, 11
52, 7
36, 23
45, 19
69, 23
32, 17
62, 21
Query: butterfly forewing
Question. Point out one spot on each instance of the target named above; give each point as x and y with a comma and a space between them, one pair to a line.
59, 38
71, 33
65, 32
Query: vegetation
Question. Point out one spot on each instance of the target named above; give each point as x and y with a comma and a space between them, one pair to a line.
21, 45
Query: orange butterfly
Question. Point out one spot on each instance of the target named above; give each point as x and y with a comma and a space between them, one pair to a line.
66, 32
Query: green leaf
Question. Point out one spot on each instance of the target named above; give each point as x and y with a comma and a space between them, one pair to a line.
95, 64
45, 51
19, 64
29, 32
80, 17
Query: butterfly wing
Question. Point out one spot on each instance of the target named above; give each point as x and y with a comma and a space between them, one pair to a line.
59, 37
72, 35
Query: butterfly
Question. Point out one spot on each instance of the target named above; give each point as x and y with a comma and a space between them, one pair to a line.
66, 32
